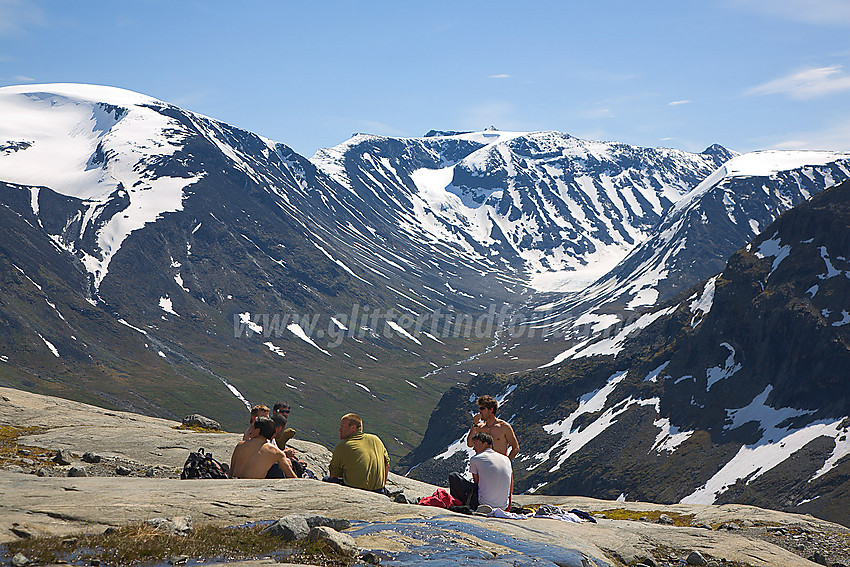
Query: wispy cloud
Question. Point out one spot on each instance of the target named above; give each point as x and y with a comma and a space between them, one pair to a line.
822, 12
835, 138
499, 77
17, 15
806, 84
23, 79
678, 102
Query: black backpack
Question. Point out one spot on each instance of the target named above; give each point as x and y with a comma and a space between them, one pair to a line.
201, 464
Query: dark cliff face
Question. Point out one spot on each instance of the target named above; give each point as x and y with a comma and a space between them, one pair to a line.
737, 392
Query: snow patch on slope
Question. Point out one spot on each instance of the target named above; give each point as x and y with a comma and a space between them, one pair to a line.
97, 140
776, 445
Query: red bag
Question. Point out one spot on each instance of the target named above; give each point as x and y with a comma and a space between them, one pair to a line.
440, 499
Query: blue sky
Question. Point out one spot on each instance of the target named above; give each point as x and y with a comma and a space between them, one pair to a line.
747, 74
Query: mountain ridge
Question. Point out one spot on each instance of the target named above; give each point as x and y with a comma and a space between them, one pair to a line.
734, 392
375, 276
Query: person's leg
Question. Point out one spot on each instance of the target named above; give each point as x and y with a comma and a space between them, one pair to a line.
461, 488
275, 472
473, 497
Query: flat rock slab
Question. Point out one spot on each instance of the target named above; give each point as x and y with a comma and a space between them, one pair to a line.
63, 505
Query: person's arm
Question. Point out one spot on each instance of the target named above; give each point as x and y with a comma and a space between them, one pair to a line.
513, 444
335, 468
474, 429
234, 461
286, 466
475, 478
386, 466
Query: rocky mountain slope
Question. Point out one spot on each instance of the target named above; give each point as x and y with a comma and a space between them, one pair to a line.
154, 258
735, 391
561, 209
164, 259
405, 534
157, 260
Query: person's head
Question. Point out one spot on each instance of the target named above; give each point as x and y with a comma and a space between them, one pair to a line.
259, 411
281, 408
265, 426
350, 424
481, 442
279, 422
489, 404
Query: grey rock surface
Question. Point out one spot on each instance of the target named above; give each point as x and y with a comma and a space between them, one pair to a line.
62, 457
339, 524
178, 525
89, 457
198, 420
289, 528
59, 505
339, 542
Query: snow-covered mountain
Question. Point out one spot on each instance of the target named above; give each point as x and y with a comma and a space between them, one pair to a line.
562, 210
691, 242
162, 261
735, 392
157, 259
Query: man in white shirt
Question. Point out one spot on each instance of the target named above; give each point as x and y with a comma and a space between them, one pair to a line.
492, 477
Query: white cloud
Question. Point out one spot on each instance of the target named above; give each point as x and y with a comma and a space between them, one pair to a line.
678, 102
835, 138
823, 12
806, 84
499, 77
23, 79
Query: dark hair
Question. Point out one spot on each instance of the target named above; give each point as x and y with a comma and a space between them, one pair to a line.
266, 427
489, 402
483, 437
280, 406
279, 420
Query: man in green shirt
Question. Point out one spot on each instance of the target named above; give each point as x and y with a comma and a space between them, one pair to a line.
360, 460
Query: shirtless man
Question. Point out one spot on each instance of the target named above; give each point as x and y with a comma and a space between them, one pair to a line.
256, 411
485, 421
256, 457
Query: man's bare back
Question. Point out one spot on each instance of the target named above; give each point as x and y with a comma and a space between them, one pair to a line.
254, 458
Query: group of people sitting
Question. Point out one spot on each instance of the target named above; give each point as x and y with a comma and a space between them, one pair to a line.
263, 453
360, 460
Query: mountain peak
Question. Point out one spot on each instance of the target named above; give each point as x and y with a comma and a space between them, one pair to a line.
80, 92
